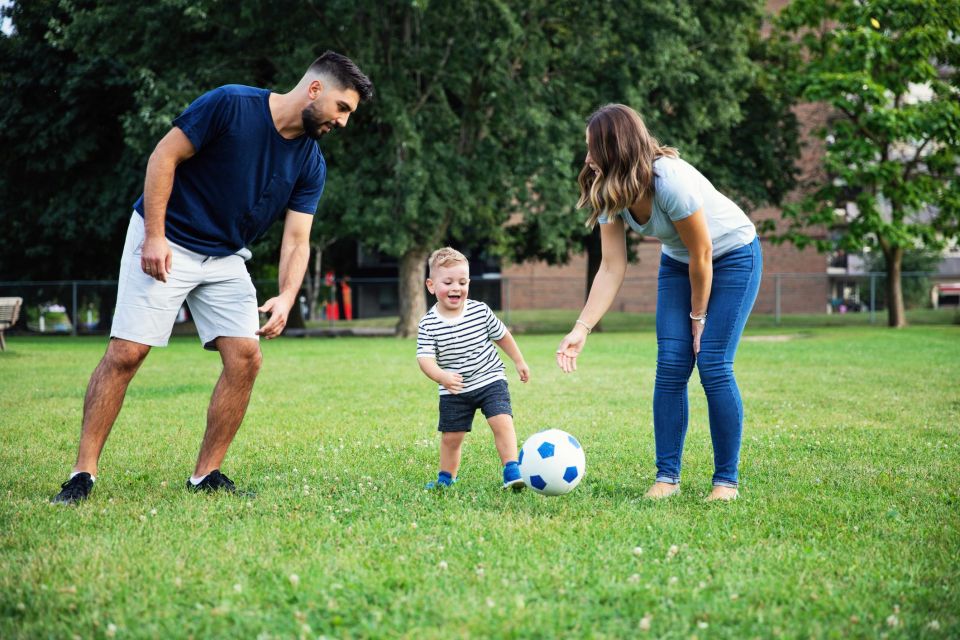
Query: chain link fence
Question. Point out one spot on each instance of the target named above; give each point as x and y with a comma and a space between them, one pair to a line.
85, 307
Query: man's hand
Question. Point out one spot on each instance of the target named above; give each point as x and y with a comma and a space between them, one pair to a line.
279, 309
452, 382
156, 257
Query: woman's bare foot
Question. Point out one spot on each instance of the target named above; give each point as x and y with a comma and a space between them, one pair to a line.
723, 493
662, 490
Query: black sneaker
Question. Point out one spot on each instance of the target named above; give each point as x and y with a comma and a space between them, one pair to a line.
215, 481
74, 490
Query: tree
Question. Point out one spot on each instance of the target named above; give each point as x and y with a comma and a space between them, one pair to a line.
460, 135
475, 134
88, 88
63, 163
887, 71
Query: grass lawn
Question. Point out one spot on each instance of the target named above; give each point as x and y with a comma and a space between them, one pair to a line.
848, 524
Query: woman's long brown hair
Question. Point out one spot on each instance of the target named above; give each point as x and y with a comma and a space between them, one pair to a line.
623, 151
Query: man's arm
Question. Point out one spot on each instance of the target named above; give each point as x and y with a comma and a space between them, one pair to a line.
294, 255
156, 257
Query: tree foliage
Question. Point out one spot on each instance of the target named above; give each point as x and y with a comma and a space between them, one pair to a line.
476, 134
887, 71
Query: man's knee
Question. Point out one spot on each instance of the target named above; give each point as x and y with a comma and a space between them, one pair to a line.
124, 357
242, 356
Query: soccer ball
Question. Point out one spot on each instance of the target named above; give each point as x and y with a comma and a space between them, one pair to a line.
552, 462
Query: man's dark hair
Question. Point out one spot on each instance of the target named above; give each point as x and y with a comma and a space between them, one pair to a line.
346, 73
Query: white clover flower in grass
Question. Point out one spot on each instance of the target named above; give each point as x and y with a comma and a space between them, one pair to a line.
111, 630
238, 588
634, 579
933, 625
673, 580
702, 624
638, 551
672, 551
443, 565
294, 579
491, 603
645, 622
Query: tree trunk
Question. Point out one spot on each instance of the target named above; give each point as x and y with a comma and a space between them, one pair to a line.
413, 300
295, 318
314, 280
896, 316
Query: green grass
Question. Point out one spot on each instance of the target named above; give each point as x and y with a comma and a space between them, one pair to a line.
560, 320
847, 525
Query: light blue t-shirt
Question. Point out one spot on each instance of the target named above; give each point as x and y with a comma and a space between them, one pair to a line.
679, 190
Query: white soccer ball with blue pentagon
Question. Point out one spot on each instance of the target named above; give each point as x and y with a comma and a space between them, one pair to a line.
552, 462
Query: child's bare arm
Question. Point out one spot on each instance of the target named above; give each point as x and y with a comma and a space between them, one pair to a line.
452, 382
509, 346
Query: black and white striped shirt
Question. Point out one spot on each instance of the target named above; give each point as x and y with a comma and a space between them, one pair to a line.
464, 344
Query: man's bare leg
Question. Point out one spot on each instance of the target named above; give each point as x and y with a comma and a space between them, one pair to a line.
241, 363
105, 394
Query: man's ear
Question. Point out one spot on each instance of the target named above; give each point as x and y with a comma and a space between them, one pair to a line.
315, 88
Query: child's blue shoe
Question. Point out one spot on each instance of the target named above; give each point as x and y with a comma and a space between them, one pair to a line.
443, 480
511, 476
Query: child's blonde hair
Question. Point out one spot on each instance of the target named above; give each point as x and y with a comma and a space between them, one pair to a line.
445, 257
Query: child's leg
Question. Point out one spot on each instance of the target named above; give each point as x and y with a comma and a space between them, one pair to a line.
504, 436
506, 440
450, 444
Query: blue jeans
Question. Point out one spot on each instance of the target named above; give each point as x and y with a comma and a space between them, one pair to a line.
736, 280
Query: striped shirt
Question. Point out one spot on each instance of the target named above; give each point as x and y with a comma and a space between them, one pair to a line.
464, 344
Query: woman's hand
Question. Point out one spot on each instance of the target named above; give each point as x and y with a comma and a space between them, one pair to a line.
696, 328
570, 347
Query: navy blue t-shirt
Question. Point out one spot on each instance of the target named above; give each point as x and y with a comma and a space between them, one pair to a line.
243, 176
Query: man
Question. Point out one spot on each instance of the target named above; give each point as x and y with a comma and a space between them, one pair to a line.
233, 162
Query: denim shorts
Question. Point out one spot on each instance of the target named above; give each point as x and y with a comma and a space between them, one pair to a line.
457, 411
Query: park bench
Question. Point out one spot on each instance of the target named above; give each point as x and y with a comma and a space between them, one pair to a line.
9, 312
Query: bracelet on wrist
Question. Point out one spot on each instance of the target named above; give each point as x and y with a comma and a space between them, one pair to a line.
585, 325
702, 318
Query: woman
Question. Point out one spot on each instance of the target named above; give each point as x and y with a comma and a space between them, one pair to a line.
709, 276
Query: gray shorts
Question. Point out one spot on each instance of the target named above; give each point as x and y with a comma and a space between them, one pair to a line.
457, 411
218, 290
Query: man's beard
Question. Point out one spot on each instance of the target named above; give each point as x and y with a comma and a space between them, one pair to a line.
312, 125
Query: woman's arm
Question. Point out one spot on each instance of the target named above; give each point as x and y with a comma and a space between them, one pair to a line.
606, 285
696, 238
